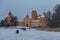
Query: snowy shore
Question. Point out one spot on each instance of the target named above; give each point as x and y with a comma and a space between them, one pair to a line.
29, 34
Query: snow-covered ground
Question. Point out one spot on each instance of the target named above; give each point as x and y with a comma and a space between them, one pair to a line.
30, 34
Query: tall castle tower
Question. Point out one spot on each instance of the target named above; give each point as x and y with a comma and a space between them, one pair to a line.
34, 15
9, 17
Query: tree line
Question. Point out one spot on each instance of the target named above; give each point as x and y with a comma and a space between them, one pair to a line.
54, 18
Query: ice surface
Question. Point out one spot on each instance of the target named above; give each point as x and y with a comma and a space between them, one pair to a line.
30, 34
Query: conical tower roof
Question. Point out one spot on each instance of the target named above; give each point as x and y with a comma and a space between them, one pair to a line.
43, 14
10, 14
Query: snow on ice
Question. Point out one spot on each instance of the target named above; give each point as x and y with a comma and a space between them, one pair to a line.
30, 34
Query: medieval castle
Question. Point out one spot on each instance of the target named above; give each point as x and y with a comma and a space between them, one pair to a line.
35, 20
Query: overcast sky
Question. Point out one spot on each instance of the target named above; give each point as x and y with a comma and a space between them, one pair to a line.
21, 7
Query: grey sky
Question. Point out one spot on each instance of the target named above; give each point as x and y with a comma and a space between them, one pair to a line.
21, 7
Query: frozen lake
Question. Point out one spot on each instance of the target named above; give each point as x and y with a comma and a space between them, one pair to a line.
30, 34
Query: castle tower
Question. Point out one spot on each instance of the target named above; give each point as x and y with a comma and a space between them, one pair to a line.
43, 15
44, 19
10, 14
27, 21
34, 15
9, 17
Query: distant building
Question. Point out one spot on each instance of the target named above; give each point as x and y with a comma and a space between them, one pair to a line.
35, 21
41, 21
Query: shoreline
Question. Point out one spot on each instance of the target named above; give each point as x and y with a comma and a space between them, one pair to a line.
49, 29
37, 28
